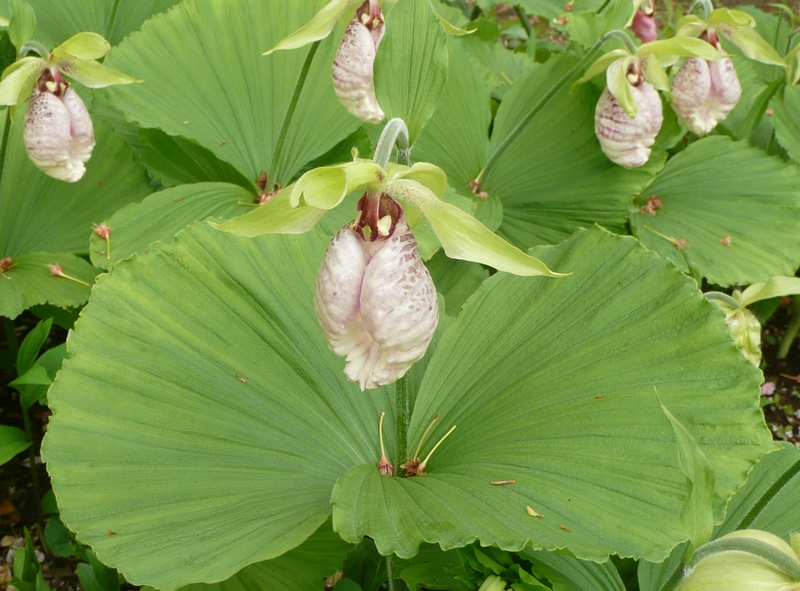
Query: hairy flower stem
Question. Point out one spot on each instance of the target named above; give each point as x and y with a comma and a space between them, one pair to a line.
706, 5
403, 405
395, 133
389, 573
791, 331
567, 78
287, 120
523, 18
767, 552
35, 47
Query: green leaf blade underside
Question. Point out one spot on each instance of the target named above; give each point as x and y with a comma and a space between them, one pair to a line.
717, 188
457, 136
161, 215
554, 178
199, 385
236, 104
304, 568
58, 21
39, 213
411, 64
557, 394
29, 282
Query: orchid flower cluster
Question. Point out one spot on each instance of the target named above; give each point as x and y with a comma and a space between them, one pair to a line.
704, 90
59, 135
374, 298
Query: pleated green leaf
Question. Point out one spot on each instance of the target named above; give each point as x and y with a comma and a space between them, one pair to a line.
39, 213
768, 501
303, 569
58, 20
206, 80
201, 417
728, 211
29, 282
411, 64
163, 214
786, 120
550, 383
567, 573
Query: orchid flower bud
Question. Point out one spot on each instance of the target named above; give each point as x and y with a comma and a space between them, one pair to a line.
644, 24
58, 131
746, 560
704, 92
627, 140
746, 331
374, 298
353, 79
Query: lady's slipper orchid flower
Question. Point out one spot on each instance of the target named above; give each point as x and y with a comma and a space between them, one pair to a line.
644, 24
374, 298
626, 135
58, 130
704, 92
746, 560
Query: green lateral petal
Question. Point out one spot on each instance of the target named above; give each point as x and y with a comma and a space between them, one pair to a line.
730, 17
29, 282
230, 401
319, 27
751, 44
302, 569
682, 46
86, 46
618, 85
113, 19
327, 186
511, 374
462, 236
429, 175
218, 90
162, 215
775, 287
91, 73
39, 213
277, 216
12, 441
19, 78
601, 65
655, 74
715, 189
411, 64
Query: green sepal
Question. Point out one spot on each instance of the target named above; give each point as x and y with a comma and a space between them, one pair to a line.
601, 65
90, 73
22, 24
452, 30
276, 216
319, 27
751, 44
462, 236
429, 175
654, 73
681, 46
618, 85
690, 25
697, 514
731, 17
86, 46
19, 78
327, 186
775, 287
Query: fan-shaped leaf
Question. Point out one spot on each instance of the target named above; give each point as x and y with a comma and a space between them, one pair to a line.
237, 103
727, 210
550, 383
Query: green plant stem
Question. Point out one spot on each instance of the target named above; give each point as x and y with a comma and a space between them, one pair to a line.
394, 134
403, 419
706, 5
37, 493
4, 144
523, 18
287, 120
112, 16
389, 573
35, 47
548, 96
11, 336
791, 331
